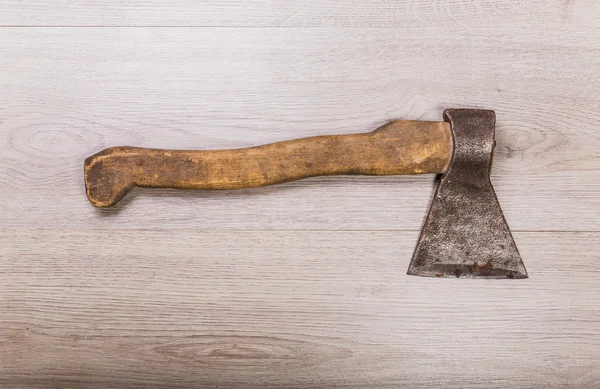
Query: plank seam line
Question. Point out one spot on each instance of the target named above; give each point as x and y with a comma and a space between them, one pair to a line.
12, 230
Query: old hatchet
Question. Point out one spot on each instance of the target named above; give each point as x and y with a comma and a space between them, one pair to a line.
465, 233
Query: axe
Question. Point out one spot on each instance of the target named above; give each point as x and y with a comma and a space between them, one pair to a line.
464, 235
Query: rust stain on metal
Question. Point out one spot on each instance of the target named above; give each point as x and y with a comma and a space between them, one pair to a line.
465, 233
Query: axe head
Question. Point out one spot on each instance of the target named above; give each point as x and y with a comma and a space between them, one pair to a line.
465, 233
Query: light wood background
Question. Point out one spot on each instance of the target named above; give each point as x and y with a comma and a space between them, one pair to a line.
300, 285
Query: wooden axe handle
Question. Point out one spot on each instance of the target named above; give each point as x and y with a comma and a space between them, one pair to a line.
398, 147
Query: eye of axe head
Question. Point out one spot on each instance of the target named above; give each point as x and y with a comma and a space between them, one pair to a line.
465, 233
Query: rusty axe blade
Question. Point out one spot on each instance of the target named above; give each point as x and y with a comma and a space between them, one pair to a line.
465, 233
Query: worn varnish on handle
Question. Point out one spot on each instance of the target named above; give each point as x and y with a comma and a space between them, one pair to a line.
398, 147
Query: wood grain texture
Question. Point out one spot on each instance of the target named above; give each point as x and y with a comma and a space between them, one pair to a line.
291, 309
302, 284
396, 148
308, 13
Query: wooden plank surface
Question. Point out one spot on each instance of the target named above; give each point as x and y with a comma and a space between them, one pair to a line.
300, 285
70, 92
290, 13
153, 308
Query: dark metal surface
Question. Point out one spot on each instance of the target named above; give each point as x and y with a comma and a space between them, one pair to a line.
465, 233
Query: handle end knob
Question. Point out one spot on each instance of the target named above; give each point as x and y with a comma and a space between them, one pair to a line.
105, 183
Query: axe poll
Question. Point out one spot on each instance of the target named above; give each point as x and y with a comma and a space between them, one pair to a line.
464, 235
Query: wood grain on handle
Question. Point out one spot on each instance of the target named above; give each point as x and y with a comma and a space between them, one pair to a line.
398, 147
